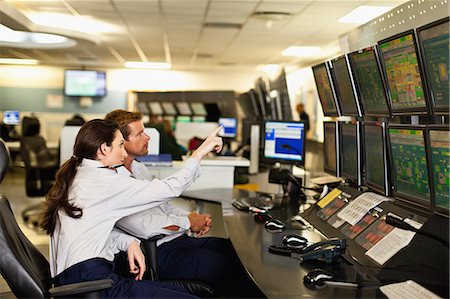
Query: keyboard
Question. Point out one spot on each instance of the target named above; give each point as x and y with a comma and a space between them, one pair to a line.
259, 201
407, 290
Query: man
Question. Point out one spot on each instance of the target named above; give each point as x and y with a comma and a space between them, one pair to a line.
212, 260
303, 115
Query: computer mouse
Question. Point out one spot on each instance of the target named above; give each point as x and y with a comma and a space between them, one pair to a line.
295, 241
262, 217
274, 226
317, 277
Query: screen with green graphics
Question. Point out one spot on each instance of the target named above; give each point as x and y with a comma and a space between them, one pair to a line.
403, 74
374, 150
349, 155
324, 89
440, 166
435, 43
369, 83
410, 172
344, 87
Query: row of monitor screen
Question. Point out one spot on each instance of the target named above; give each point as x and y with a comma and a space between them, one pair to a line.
172, 108
405, 74
411, 163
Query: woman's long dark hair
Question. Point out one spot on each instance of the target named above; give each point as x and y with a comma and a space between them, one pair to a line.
89, 139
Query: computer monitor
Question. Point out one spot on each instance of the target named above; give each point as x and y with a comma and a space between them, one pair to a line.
409, 164
84, 83
376, 162
183, 108
198, 109
330, 148
169, 108
350, 152
281, 103
212, 112
434, 41
11, 117
438, 142
369, 84
344, 88
156, 108
402, 69
244, 101
284, 142
325, 90
262, 98
229, 127
142, 107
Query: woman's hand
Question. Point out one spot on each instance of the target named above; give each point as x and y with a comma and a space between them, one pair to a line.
211, 143
135, 255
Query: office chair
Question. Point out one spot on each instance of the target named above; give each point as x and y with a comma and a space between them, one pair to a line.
40, 165
4, 159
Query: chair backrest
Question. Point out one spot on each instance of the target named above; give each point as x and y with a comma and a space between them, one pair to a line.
34, 151
30, 126
4, 159
24, 268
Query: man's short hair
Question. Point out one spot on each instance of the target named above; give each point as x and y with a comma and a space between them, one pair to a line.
123, 118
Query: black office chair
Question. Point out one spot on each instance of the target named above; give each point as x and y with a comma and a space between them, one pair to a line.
4, 159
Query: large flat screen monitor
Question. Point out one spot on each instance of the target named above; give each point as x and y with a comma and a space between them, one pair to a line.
325, 90
330, 148
343, 83
155, 108
350, 152
439, 145
409, 164
434, 43
169, 108
284, 142
376, 162
402, 68
198, 109
11, 117
369, 83
84, 83
183, 108
229, 125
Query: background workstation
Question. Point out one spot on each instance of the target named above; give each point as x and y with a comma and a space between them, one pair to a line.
394, 145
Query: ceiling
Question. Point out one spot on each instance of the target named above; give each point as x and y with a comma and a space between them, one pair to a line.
190, 34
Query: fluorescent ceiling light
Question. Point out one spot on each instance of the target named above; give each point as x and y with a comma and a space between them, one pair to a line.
300, 51
33, 40
18, 61
148, 65
269, 68
363, 14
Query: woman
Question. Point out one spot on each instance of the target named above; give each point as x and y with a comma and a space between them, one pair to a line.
89, 197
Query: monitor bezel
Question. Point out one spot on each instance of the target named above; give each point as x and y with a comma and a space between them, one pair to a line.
270, 160
337, 112
403, 197
385, 190
358, 112
103, 94
328, 170
435, 208
425, 67
365, 110
358, 178
402, 111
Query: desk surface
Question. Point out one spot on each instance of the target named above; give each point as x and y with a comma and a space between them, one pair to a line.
276, 276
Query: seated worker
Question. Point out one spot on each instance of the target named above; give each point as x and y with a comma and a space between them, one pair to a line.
209, 259
89, 197
168, 142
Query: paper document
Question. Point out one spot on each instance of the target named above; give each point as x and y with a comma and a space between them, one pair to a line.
360, 206
407, 290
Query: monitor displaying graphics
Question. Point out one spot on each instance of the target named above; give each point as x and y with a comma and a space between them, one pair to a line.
183, 119
183, 108
344, 87
198, 109
142, 107
330, 154
404, 78
349, 142
409, 164
376, 162
229, 127
11, 117
439, 144
434, 41
284, 142
169, 108
369, 83
84, 83
156, 108
325, 90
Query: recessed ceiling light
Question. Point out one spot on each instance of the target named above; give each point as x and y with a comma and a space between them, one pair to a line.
18, 61
148, 65
363, 14
297, 51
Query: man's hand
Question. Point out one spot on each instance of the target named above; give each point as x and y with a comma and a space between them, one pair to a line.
135, 255
211, 143
200, 223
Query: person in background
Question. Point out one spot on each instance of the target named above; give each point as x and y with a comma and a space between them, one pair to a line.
303, 115
89, 197
168, 142
179, 256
